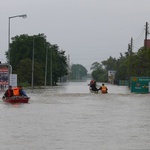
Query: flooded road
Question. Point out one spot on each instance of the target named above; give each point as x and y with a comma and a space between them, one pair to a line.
69, 117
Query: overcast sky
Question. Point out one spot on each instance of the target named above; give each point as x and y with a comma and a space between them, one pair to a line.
88, 30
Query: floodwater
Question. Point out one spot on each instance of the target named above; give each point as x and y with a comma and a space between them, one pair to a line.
69, 117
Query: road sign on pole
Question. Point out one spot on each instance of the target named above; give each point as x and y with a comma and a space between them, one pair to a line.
13, 80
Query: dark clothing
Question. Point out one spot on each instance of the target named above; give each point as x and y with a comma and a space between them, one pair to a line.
22, 92
9, 93
93, 87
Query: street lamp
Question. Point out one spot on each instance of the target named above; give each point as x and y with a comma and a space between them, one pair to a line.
23, 16
10, 68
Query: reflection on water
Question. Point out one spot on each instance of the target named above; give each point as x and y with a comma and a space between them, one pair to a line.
69, 117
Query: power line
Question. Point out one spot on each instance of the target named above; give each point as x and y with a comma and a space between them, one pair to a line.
139, 36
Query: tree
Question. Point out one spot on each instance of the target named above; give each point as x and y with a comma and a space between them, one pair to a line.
59, 63
110, 63
98, 73
78, 72
21, 54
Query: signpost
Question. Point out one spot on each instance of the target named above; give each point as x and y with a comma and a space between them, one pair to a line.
140, 84
13, 80
4, 75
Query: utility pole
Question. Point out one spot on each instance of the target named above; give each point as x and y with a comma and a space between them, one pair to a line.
46, 66
131, 48
146, 34
51, 69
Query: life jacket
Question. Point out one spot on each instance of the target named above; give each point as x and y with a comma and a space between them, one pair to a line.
16, 91
104, 89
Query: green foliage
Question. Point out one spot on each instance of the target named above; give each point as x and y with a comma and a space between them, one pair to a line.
59, 64
110, 63
99, 73
134, 64
23, 70
21, 59
21, 56
78, 72
130, 64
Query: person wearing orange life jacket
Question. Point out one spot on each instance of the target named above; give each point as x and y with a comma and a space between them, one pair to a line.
103, 89
18, 91
9, 92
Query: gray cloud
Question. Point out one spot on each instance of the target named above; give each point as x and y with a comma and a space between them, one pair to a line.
88, 30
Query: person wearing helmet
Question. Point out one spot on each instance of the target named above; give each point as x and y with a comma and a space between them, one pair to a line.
93, 86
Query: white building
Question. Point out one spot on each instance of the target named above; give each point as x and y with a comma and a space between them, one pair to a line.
111, 76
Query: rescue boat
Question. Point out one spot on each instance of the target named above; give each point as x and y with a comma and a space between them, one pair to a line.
16, 99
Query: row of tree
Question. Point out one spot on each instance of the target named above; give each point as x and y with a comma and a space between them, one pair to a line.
129, 64
28, 54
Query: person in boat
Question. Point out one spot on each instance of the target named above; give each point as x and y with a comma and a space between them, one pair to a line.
18, 91
103, 89
91, 82
21, 91
93, 86
9, 92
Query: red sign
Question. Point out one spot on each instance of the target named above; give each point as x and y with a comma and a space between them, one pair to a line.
3, 75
